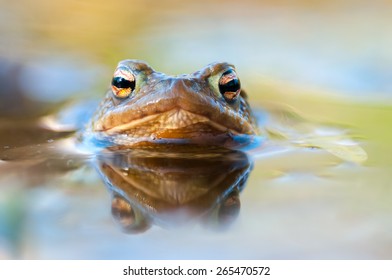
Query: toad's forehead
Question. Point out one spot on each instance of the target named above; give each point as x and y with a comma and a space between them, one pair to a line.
205, 72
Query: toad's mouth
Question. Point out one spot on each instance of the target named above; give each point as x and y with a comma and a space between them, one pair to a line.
175, 123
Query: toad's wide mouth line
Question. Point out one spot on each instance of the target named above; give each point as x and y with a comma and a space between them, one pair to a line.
170, 120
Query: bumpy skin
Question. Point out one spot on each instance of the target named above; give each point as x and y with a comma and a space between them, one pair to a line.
173, 109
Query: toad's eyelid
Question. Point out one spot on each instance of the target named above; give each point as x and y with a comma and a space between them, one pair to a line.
227, 77
124, 73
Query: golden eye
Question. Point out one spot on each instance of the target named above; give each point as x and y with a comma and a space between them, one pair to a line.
123, 82
229, 85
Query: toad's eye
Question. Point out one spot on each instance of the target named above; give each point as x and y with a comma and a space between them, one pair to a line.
123, 83
229, 85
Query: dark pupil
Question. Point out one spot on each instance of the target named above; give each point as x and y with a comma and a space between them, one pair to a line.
231, 86
120, 82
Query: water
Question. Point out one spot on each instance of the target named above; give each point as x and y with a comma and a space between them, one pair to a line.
322, 68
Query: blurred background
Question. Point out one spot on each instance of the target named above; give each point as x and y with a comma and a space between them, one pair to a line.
329, 60
342, 46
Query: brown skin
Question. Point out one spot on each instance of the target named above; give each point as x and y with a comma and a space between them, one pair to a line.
174, 109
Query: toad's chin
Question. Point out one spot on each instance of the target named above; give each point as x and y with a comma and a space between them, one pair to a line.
176, 126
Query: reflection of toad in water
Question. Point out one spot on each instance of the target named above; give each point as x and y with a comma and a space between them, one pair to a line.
173, 189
